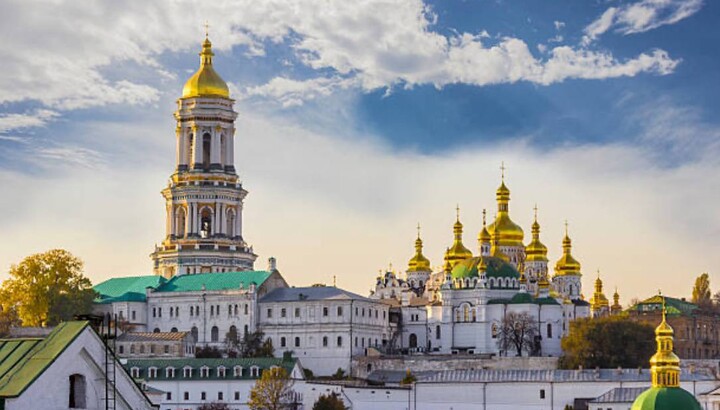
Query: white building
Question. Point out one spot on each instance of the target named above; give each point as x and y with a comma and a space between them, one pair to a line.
66, 369
323, 326
462, 307
187, 383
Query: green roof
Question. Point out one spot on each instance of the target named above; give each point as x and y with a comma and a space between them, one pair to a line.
666, 398
523, 298
496, 268
23, 360
127, 289
675, 307
213, 364
214, 281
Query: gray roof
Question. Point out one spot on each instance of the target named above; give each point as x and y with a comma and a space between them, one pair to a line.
587, 375
310, 293
620, 395
396, 376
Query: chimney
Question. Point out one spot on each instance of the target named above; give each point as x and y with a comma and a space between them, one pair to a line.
272, 264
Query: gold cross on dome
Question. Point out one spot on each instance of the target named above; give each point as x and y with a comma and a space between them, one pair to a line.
535, 208
484, 213
502, 170
566, 227
418, 230
207, 26
457, 211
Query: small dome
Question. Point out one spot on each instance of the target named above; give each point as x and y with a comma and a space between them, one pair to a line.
508, 232
536, 251
206, 82
419, 263
567, 265
666, 398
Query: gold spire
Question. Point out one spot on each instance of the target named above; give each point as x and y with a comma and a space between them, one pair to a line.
598, 300
567, 265
484, 235
665, 365
616, 306
206, 82
419, 263
457, 252
536, 251
509, 233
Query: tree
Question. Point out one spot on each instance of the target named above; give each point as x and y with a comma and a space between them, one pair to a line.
518, 332
47, 288
329, 402
8, 320
273, 391
214, 406
208, 352
607, 342
339, 374
255, 345
701, 295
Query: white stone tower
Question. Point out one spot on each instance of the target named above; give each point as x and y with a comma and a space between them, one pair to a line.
204, 197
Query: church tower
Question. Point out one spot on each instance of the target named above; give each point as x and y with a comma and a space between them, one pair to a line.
204, 197
536, 261
567, 279
509, 234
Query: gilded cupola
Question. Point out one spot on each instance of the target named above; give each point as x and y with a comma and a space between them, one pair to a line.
567, 264
419, 263
507, 231
598, 301
458, 252
536, 251
206, 82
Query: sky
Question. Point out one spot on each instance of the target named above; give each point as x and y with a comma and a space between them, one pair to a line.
359, 120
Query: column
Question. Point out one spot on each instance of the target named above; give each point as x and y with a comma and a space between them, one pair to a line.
223, 217
215, 149
230, 150
188, 224
168, 220
197, 148
238, 220
173, 220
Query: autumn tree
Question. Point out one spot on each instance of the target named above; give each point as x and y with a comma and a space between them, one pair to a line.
273, 391
701, 294
8, 319
607, 342
254, 344
329, 402
518, 332
47, 288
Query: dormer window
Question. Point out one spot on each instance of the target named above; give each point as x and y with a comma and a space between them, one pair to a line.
254, 371
152, 372
237, 371
204, 371
135, 372
170, 372
221, 371
187, 372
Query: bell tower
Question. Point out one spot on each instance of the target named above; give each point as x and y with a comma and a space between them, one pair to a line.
204, 197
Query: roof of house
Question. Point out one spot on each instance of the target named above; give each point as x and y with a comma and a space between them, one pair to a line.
311, 293
214, 281
152, 336
620, 395
126, 289
212, 364
674, 306
23, 360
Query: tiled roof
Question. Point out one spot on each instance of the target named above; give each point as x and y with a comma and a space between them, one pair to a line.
126, 289
675, 307
493, 375
214, 281
310, 293
213, 364
152, 337
620, 395
23, 360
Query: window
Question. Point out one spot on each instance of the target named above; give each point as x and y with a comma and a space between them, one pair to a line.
159, 312
363, 312
246, 308
325, 341
282, 341
339, 311
236, 310
413, 340
229, 310
254, 371
167, 349
549, 331
339, 341
170, 372
220, 395
77, 391
132, 349
494, 330
203, 396
152, 348
187, 372
221, 371
121, 349
154, 312
186, 396
172, 312
325, 311
437, 332
132, 315
237, 371
212, 310
269, 312
168, 396
283, 312
177, 311
297, 312
356, 341
237, 395
204, 371
542, 393
152, 372
194, 333
297, 342
142, 349
214, 334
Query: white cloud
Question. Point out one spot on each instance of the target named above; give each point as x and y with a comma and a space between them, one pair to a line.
38, 118
641, 16
559, 24
291, 93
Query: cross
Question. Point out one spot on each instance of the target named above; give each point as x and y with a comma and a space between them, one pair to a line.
502, 170
566, 228
206, 28
457, 211
484, 212
535, 208
418, 229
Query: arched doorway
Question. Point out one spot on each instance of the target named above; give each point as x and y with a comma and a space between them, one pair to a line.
413, 340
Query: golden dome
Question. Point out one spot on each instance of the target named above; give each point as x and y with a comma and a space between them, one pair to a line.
419, 263
598, 299
665, 365
567, 265
509, 233
484, 236
206, 82
458, 252
536, 251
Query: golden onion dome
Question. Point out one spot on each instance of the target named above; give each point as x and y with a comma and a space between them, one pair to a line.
536, 251
567, 264
509, 233
419, 263
484, 236
458, 252
206, 82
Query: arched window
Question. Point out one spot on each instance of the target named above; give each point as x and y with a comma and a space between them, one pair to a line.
474, 315
466, 313
413, 340
283, 342
174, 329
77, 392
190, 147
246, 308
194, 333
206, 142
297, 342
214, 334
230, 230
180, 221
205, 223
232, 334
156, 330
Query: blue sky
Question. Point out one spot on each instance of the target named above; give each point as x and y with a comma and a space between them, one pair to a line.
362, 119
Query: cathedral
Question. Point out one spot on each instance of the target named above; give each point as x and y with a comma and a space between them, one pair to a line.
462, 308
